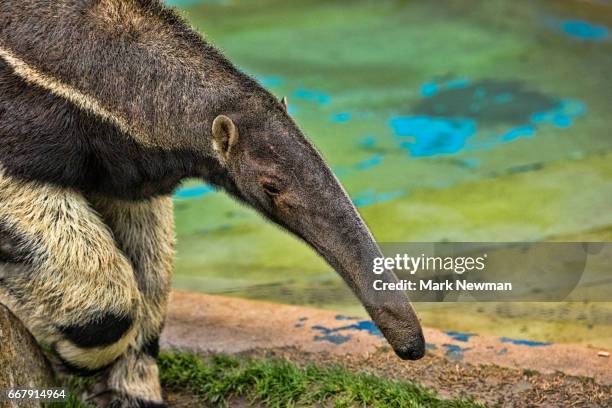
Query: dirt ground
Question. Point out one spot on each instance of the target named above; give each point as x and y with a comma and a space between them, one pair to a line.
493, 385
496, 371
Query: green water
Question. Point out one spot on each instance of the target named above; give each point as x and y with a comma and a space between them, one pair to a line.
446, 120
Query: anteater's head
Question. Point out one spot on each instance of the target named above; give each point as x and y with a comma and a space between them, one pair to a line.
266, 162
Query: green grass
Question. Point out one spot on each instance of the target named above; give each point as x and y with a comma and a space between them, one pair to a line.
279, 383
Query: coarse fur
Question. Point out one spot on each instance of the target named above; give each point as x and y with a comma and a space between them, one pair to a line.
62, 294
105, 107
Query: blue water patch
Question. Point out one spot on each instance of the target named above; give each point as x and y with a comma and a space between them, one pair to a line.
571, 107
519, 131
270, 80
366, 325
562, 121
584, 30
480, 92
341, 117
487, 102
427, 136
331, 334
430, 346
503, 98
367, 142
429, 89
460, 83
459, 336
340, 170
312, 96
455, 352
194, 191
291, 110
484, 103
369, 162
369, 197
520, 342
563, 115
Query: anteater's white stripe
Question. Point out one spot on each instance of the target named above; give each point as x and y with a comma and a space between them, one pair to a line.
33, 76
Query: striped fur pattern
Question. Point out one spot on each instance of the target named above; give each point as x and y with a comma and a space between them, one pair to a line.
76, 278
84, 258
86, 163
144, 231
100, 118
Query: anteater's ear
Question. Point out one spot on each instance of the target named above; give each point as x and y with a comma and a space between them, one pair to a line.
284, 102
224, 134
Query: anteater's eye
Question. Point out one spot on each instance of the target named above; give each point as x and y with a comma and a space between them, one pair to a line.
271, 189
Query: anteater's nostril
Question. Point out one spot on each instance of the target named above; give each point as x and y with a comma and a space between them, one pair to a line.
416, 353
411, 353
413, 349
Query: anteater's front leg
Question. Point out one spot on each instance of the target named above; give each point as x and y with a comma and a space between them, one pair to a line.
63, 276
144, 230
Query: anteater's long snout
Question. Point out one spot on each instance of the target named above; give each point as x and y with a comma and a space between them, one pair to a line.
340, 235
390, 310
